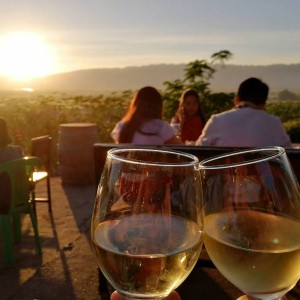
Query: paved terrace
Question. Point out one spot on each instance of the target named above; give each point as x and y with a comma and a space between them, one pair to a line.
67, 268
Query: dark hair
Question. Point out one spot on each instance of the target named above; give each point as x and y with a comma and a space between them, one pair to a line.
145, 105
5, 139
253, 90
193, 93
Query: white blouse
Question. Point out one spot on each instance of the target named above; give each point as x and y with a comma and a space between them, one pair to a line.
153, 132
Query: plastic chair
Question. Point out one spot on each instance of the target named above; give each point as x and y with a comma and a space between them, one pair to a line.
41, 147
15, 176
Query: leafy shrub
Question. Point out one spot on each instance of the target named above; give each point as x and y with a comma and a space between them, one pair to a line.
285, 110
35, 115
293, 130
217, 102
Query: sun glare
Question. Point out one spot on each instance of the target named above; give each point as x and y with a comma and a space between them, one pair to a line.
25, 55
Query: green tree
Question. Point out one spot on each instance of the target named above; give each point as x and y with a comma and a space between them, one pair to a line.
197, 75
286, 111
217, 102
287, 95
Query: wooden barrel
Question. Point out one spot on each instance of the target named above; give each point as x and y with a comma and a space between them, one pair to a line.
75, 153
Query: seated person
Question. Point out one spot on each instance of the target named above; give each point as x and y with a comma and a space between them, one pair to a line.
247, 124
189, 116
143, 122
7, 151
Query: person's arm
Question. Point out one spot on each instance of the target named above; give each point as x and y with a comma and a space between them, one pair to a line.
174, 120
287, 142
167, 134
278, 133
174, 140
285, 139
209, 134
116, 132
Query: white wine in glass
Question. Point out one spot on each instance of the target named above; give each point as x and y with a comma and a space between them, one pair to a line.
147, 223
252, 220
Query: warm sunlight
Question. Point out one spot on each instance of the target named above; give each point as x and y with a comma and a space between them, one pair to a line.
25, 55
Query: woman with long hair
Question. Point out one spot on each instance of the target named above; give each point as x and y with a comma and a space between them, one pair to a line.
189, 116
143, 122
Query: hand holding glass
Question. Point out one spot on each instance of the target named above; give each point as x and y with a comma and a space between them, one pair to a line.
147, 221
252, 220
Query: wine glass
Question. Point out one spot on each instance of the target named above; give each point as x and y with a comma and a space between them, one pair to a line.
252, 220
147, 221
177, 129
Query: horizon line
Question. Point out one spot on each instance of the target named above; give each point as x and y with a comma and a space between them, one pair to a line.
140, 66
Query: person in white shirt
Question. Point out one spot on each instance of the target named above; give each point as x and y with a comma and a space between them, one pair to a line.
247, 124
143, 122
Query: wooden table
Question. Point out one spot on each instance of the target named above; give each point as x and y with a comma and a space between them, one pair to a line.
209, 284
100, 151
204, 283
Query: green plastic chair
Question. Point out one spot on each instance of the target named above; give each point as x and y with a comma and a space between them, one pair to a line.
15, 184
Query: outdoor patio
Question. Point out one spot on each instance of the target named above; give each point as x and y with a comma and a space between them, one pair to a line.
67, 268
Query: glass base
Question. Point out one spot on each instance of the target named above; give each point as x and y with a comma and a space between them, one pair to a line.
246, 297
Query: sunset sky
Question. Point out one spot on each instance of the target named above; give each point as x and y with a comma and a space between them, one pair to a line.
82, 34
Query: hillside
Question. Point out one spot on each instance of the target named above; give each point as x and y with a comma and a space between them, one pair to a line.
278, 77
226, 79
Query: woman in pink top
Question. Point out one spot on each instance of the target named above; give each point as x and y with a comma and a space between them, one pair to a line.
143, 122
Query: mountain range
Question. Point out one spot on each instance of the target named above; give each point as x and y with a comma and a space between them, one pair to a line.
226, 79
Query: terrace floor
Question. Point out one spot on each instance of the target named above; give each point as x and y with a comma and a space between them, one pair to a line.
67, 268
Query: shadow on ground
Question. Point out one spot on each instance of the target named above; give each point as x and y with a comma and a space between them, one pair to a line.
67, 268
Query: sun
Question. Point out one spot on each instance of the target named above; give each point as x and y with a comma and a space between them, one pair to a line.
25, 55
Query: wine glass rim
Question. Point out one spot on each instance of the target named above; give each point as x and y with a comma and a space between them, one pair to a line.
277, 150
113, 153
